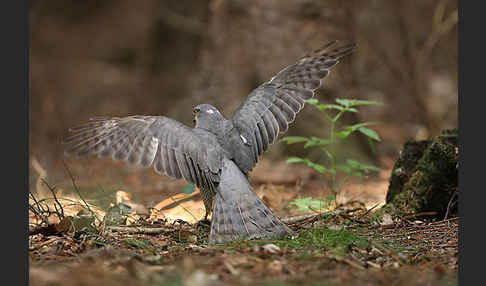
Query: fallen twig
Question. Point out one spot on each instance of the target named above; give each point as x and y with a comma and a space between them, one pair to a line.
450, 204
348, 261
296, 219
372, 264
419, 214
79, 193
54, 239
368, 211
38, 210
139, 230
60, 215
386, 251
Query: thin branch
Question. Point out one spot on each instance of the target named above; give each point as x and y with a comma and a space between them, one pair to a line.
386, 251
450, 204
38, 209
439, 12
417, 56
368, 211
37, 202
78, 192
39, 214
56, 201
54, 239
438, 30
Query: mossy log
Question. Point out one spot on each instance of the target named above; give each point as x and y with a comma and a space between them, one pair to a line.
424, 178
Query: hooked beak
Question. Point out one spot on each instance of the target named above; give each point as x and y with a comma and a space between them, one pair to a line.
194, 114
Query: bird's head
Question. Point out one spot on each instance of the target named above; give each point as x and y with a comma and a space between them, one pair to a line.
206, 116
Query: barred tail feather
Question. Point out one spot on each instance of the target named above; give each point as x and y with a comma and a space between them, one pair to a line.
238, 213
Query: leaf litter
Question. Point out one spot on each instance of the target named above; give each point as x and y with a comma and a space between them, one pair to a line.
150, 247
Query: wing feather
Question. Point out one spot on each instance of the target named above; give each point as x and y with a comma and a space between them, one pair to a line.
282, 122
271, 107
172, 148
150, 151
287, 111
272, 129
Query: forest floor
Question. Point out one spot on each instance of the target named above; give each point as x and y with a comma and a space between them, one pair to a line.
159, 243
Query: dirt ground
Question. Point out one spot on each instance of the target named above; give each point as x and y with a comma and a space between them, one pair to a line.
158, 243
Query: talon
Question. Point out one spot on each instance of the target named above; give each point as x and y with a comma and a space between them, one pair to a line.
204, 222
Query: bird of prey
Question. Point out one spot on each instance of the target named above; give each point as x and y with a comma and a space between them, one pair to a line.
217, 154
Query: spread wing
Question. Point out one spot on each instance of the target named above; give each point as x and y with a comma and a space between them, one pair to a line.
268, 109
170, 146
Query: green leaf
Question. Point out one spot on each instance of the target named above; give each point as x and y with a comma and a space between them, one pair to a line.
312, 101
294, 139
309, 144
358, 166
295, 160
372, 146
344, 168
309, 204
329, 155
342, 134
188, 189
365, 167
344, 102
319, 168
316, 141
358, 174
355, 127
353, 163
370, 133
356, 102
329, 106
321, 141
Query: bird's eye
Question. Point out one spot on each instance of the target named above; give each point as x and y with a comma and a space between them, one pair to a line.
195, 111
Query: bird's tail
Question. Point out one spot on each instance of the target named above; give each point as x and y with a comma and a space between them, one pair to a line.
238, 213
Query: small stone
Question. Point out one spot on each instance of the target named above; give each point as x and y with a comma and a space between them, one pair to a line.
335, 227
387, 220
271, 248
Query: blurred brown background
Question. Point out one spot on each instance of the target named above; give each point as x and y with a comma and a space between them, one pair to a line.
122, 57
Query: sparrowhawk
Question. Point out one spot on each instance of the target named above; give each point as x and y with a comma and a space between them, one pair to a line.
217, 154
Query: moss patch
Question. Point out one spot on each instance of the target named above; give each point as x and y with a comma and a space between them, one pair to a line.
325, 239
424, 178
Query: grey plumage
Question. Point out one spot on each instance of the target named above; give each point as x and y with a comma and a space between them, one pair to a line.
238, 213
217, 154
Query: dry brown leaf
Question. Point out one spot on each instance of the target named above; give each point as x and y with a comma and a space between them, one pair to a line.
187, 207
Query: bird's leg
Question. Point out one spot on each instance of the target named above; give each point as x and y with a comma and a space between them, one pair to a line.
205, 221
208, 203
207, 197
